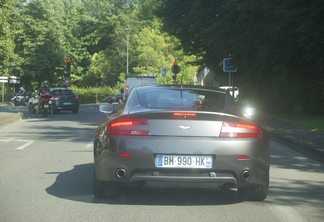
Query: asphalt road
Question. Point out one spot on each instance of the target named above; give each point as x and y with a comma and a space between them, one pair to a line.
46, 175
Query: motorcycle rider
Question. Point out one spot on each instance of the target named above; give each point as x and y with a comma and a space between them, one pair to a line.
21, 93
43, 90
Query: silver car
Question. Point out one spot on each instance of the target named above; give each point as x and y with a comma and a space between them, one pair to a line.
180, 136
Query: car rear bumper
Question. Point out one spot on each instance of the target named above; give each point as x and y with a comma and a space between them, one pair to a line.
227, 168
65, 105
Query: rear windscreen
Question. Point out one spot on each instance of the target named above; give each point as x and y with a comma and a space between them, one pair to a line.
189, 99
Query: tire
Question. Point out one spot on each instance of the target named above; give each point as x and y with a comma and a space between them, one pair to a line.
45, 112
31, 108
103, 189
257, 193
99, 187
112, 190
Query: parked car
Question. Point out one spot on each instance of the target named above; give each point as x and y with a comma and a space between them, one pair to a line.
183, 136
118, 97
62, 99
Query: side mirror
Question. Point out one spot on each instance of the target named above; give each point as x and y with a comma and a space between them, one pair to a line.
106, 108
248, 111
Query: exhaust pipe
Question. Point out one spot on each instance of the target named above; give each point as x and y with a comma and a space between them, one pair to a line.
246, 175
120, 173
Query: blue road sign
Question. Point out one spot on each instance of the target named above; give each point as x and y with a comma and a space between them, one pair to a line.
163, 72
228, 66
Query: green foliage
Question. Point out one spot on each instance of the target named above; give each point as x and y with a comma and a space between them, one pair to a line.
92, 94
278, 46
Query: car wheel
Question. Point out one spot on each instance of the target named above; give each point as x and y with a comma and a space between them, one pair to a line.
112, 190
75, 110
99, 187
258, 193
31, 108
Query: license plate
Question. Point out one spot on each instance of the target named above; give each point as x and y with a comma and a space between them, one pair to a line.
46, 106
177, 161
67, 103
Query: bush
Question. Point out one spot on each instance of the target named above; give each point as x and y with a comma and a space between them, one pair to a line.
93, 94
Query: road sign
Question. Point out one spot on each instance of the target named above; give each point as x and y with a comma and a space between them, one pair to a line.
228, 65
14, 79
4, 79
163, 72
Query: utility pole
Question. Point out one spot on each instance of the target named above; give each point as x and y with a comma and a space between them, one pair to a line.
127, 44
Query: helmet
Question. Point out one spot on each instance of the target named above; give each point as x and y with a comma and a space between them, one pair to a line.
21, 88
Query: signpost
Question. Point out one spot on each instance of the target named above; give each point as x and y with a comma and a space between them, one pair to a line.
3, 79
164, 74
229, 66
14, 80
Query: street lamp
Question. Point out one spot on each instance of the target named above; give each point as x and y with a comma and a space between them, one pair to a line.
127, 38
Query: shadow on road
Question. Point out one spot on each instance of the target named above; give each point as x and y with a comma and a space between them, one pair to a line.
76, 185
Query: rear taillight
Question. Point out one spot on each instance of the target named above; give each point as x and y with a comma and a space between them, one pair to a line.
126, 88
129, 127
54, 98
46, 99
77, 97
240, 130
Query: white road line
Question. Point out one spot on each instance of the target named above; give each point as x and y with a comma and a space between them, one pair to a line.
89, 145
25, 145
7, 140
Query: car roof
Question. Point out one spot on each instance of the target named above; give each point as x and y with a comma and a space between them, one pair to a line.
60, 88
185, 87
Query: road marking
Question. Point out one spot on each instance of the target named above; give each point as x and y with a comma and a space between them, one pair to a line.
7, 140
29, 142
89, 145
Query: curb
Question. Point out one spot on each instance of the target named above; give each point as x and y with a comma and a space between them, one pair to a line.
297, 144
10, 119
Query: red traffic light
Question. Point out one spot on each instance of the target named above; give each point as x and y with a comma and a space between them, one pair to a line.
175, 69
68, 60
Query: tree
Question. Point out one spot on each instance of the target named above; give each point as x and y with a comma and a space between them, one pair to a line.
8, 25
268, 39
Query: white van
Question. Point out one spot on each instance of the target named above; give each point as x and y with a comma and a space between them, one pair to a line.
230, 88
133, 81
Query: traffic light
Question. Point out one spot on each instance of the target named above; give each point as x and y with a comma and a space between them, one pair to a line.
68, 68
175, 68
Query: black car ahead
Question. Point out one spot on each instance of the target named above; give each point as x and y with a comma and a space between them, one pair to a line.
118, 97
62, 99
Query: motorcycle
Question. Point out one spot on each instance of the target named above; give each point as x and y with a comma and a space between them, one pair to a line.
45, 104
18, 100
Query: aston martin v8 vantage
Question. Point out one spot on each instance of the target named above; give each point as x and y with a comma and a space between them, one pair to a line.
180, 136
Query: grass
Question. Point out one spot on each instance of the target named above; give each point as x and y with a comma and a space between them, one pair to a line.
315, 123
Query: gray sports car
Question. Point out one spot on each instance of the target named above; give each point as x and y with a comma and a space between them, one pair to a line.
180, 136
